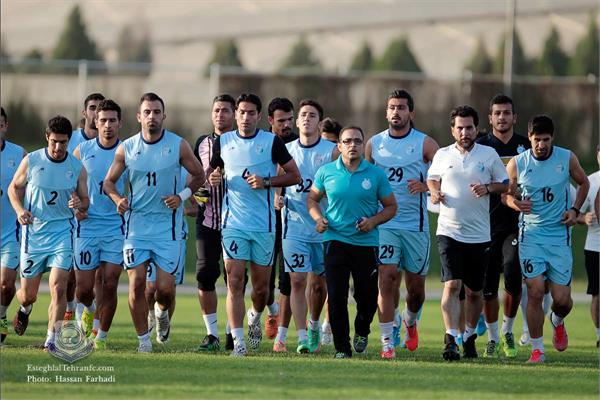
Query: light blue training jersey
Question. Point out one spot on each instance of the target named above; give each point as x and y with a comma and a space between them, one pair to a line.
546, 183
401, 158
243, 207
297, 222
78, 136
10, 158
50, 184
103, 219
154, 173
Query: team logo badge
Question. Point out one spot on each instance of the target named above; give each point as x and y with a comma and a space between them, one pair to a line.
166, 150
559, 168
319, 159
480, 166
366, 184
69, 174
259, 149
520, 149
71, 342
410, 150
11, 163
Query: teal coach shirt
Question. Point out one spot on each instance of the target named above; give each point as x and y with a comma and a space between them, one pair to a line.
351, 196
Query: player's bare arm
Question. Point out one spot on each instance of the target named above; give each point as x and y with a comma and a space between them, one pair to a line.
196, 174
368, 152
80, 200
112, 176
16, 191
430, 147
290, 177
312, 202
578, 175
510, 198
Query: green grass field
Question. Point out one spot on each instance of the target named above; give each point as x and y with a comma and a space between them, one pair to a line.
177, 371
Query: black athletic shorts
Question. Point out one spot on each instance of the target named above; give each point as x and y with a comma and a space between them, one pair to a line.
464, 261
592, 268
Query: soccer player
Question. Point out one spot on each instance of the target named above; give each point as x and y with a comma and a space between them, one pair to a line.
355, 189
589, 216
11, 157
249, 158
460, 178
99, 237
330, 129
504, 254
404, 154
87, 132
302, 244
539, 189
208, 227
281, 119
153, 159
55, 184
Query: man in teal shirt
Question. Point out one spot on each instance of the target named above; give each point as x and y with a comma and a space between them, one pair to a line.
354, 189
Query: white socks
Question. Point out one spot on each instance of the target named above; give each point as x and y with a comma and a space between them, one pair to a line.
493, 331
281, 334
386, 329
210, 321
253, 316
273, 308
507, 325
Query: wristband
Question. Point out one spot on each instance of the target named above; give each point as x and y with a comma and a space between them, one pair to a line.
185, 194
267, 182
577, 211
487, 189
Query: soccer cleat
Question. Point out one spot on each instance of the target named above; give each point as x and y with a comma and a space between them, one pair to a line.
239, 350
50, 347
491, 350
69, 315
163, 326
145, 347
279, 347
536, 357
20, 322
396, 336
388, 352
451, 352
326, 337
94, 333
209, 343
228, 341
87, 322
412, 337
481, 327
271, 326
560, 339
508, 345
314, 340
254, 335
360, 343
469, 349
525, 339
459, 339
303, 347
342, 354
3, 329
99, 344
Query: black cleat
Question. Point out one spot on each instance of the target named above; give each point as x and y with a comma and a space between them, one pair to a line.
451, 352
20, 322
209, 343
469, 350
229, 341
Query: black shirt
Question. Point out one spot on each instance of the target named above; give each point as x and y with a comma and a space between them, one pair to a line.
503, 218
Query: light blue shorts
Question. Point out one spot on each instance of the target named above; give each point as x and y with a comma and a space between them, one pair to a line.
300, 256
409, 250
34, 264
165, 254
151, 269
256, 247
554, 262
10, 255
91, 252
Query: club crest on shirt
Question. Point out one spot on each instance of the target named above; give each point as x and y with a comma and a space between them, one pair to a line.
259, 148
166, 151
410, 149
559, 168
366, 184
480, 166
69, 174
520, 149
319, 160
11, 163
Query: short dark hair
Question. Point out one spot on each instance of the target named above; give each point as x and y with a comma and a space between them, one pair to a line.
330, 125
501, 98
249, 98
93, 96
403, 94
540, 124
151, 96
312, 103
109, 105
464, 112
347, 128
226, 98
279, 103
59, 125
3, 114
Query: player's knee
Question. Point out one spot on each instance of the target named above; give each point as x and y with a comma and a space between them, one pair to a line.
535, 294
513, 287
7, 286
453, 286
489, 295
235, 283
298, 283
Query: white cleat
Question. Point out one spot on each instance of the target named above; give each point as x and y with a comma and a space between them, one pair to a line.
163, 326
145, 347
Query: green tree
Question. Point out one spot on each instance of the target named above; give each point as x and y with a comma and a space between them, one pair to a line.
74, 42
226, 53
301, 56
132, 47
398, 57
521, 64
480, 62
363, 59
553, 60
25, 122
585, 58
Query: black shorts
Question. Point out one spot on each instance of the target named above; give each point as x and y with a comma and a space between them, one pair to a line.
504, 259
592, 268
464, 261
208, 254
